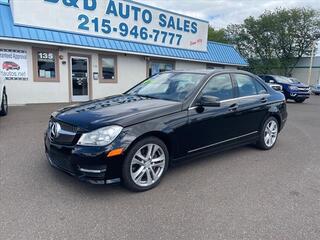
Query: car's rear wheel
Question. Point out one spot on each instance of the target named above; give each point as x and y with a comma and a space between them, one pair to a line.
300, 100
145, 164
4, 104
269, 134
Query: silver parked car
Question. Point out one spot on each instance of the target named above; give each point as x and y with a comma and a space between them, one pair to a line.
316, 89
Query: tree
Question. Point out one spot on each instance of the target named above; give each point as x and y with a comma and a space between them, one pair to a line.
276, 40
217, 35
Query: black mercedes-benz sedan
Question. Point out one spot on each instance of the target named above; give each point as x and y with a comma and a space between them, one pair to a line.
135, 136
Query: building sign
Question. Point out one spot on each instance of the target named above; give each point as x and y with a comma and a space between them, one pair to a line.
117, 19
13, 64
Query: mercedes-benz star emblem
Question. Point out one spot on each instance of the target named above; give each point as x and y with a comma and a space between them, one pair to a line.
55, 130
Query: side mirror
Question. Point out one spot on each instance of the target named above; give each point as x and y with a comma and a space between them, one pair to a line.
209, 101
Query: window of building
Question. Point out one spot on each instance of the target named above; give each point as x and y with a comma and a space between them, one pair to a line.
108, 69
220, 87
214, 66
45, 64
155, 67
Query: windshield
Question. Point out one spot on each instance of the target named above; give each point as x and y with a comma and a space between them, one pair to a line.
295, 80
281, 79
168, 86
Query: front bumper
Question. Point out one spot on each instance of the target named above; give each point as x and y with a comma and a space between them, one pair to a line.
88, 164
298, 95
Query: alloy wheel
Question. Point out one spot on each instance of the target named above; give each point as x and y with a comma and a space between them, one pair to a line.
147, 165
271, 133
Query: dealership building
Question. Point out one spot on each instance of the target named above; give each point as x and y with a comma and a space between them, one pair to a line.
77, 50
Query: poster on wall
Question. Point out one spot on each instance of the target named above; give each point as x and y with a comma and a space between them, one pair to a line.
13, 64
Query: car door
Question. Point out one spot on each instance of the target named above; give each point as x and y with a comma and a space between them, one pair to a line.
209, 126
252, 110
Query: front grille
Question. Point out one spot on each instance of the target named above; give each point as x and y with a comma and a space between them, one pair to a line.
303, 89
68, 127
61, 162
66, 135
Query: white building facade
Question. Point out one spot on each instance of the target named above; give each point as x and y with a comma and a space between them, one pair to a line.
302, 71
100, 51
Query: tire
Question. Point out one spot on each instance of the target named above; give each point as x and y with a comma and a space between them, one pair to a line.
299, 100
141, 173
270, 128
4, 104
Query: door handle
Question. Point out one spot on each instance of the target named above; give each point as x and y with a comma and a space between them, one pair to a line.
233, 107
264, 100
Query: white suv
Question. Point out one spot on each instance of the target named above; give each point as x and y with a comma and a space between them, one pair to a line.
3, 98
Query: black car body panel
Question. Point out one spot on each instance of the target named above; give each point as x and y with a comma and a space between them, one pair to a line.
187, 129
123, 110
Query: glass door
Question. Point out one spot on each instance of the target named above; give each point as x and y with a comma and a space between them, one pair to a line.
80, 79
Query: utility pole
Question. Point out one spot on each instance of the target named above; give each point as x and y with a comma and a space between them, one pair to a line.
311, 62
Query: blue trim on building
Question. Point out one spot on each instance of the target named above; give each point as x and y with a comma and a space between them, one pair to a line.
217, 53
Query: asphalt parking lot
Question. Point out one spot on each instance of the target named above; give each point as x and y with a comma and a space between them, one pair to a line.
240, 194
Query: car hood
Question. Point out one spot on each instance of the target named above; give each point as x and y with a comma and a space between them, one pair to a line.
123, 110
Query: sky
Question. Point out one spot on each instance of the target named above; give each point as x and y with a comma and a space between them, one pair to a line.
220, 13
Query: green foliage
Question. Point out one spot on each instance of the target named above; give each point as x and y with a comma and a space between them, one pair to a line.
217, 35
276, 40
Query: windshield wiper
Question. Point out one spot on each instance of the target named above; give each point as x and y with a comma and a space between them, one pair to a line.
146, 96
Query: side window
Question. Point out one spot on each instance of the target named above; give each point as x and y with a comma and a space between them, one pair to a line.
246, 85
260, 88
219, 86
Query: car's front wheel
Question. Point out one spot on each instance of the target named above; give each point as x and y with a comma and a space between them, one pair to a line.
269, 134
300, 100
145, 164
4, 104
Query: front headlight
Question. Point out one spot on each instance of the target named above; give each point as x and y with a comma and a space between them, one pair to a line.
293, 88
54, 114
100, 137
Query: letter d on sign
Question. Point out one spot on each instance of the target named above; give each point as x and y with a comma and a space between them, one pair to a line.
52, 1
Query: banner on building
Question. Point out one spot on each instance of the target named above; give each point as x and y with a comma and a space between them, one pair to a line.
115, 19
13, 64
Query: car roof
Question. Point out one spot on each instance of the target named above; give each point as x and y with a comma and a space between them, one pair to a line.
209, 71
